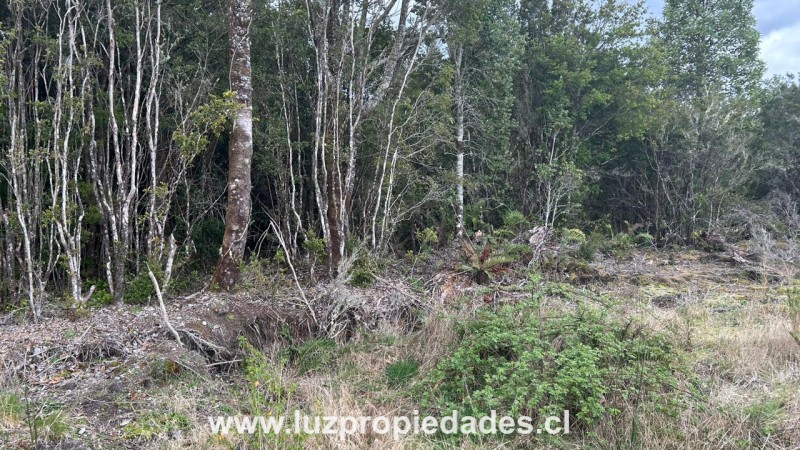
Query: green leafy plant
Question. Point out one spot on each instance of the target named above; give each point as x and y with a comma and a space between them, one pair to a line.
524, 360
573, 236
45, 422
644, 240
427, 238
515, 221
482, 265
267, 393
140, 289
314, 355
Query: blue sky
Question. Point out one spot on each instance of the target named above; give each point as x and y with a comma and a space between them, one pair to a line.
779, 24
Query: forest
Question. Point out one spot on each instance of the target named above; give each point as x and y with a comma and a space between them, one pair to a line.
365, 207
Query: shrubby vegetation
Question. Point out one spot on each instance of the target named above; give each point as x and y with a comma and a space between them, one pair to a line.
532, 358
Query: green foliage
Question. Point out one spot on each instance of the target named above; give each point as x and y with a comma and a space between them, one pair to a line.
516, 221
712, 44
525, 359
140, 289
316, 247
584, 81
361, 277
587, 251
644, 240
427, 238
44, 421
209, 119
516, 251
364, 270
573, 236
481, 263
187, 282
153, 423
401, 372
253, 276
315, 355
102, 294
267, 393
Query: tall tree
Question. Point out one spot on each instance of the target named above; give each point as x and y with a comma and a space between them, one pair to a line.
483, 42
712, 44
578, 94
240, 151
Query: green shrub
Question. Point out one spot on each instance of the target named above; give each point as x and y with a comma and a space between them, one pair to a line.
517, 251
573, 236
515, 221
267, 393
102, 294
44, 421
644, 240
187, 282
619, 246
428, 238
522, 360
316, 247
364, 269
587, 251
253, 276
139, 289
402, 371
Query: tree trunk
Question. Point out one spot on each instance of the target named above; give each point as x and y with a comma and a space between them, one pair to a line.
240, 151
459, 100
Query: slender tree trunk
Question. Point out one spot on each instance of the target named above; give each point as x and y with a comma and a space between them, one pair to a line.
459, 100
240, 152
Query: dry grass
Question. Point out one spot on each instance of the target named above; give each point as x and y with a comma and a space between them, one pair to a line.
733, 334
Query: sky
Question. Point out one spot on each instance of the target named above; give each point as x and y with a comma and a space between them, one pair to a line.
779, 24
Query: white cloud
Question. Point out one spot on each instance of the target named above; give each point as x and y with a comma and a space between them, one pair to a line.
780, 49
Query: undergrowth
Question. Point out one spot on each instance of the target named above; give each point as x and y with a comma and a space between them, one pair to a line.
526, 359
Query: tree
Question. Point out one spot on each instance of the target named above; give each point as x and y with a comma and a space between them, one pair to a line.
711, 47
580, 93
483, 42
712, 44
240, 151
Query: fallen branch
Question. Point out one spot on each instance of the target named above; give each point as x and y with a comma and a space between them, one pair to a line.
161, 304
294, 274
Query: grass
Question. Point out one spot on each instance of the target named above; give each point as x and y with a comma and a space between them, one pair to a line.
154, 423
22, 420
744, 386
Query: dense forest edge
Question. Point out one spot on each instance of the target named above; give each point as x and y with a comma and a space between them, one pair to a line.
384, 206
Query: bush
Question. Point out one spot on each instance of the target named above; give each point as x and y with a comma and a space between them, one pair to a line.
587, 251
573, 236
140, 288
102, 294
516, 221
619, 246
427, 239
644, 240
523, 361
